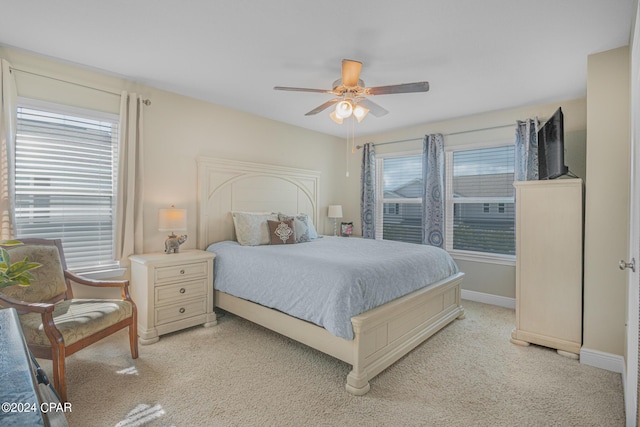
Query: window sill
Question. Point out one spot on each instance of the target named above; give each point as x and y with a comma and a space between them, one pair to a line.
486, 258
102, 274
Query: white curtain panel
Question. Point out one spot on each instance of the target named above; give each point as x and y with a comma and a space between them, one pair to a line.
129, 228
8, 109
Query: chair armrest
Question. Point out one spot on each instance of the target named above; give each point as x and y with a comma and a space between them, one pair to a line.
122, 284
26, 307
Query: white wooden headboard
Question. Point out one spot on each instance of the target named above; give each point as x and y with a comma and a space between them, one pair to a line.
230, 185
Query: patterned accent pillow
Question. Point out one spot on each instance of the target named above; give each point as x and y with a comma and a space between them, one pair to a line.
281, 232
300, 226
251, 227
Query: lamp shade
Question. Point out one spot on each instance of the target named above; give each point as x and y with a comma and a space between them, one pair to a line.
335, 211
344, 109
172, 219
360, 112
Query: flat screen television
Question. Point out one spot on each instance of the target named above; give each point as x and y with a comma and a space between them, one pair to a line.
551, 148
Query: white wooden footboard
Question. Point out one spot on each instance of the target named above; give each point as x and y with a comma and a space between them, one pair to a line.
382, 335
385, 334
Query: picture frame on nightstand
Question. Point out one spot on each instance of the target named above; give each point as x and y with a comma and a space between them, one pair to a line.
346, 229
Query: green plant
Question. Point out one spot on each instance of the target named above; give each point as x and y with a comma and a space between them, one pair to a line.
16, 273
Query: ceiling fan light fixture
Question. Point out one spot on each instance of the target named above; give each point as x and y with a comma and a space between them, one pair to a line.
335, 117
360, 112
344, 109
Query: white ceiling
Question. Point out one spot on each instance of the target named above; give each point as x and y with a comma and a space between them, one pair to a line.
478, 55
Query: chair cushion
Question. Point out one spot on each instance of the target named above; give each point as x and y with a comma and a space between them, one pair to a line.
49, 279
76, 319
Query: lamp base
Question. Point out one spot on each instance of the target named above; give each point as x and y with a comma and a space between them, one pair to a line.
173, 242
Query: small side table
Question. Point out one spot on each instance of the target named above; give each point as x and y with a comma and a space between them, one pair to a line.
172, 292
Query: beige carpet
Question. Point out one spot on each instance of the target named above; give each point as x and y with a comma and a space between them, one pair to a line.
240, 374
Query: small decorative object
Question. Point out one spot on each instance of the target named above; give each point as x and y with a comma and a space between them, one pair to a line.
173, 242
335, 212
17, 273
173, 219
346, 229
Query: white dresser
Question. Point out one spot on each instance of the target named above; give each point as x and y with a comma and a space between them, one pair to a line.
172, 292
549, 230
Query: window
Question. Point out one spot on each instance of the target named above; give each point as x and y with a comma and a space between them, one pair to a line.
399, 198
480, 217
65, 183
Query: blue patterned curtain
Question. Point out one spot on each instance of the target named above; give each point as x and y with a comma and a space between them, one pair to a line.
433, 190
526, 167
368, 192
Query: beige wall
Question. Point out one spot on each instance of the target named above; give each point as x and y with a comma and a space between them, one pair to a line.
177, 129
493, 279
607, 200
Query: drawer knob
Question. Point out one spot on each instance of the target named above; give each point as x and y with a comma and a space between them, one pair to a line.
183, 290
182, 271
182, 310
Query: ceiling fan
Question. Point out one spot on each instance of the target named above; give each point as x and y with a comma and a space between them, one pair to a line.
352, 94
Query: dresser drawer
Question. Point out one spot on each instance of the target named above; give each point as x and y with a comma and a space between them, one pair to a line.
184, 310
181, 271
177, 292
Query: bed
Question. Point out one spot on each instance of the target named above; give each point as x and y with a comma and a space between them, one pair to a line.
375, 338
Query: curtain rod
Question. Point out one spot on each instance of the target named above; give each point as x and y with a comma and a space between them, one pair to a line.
144, 101
446, 134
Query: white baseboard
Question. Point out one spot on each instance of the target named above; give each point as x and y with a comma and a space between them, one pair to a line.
488, 298
595, 358
602, 360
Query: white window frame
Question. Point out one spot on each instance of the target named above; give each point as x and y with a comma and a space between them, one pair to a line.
457, 253
112, 269
380, 200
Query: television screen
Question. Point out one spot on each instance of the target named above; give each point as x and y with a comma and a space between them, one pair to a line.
551, 148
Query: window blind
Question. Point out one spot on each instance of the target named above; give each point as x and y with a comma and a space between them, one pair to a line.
480, 195
400, 199
66, 167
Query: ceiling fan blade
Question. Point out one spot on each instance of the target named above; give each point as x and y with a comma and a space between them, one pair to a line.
401, 88
301, 89
323, 107
374, 108
351, 72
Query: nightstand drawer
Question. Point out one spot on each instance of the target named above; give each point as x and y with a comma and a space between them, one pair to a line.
182, 271
174, 312
174, 293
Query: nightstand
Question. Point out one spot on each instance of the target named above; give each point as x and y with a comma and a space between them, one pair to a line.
172, 292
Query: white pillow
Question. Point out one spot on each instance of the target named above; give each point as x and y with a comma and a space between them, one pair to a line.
251, 227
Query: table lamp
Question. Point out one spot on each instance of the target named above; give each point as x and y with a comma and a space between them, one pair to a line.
335, 212
173, 219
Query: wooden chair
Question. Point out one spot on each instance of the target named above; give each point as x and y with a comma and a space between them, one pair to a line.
56, 325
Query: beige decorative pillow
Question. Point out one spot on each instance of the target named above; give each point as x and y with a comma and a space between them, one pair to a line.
281, 232
251, 227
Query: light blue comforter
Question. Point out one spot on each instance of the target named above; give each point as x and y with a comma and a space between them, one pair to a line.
328, 280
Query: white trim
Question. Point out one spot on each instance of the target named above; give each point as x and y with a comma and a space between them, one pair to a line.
87, 113
602, 360
484, 298
480, 145
395, 154
483, 257
103, 274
